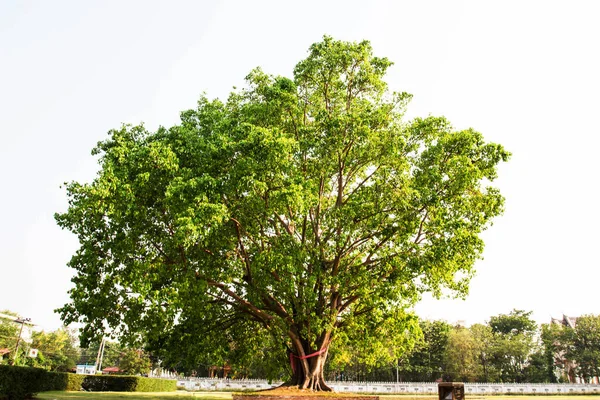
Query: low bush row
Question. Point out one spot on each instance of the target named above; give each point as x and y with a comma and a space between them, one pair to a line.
21, 382
107, 383
17, 383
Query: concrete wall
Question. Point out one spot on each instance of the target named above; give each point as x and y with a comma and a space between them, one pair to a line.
392, 387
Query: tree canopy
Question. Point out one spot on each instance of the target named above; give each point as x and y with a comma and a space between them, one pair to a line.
425, 363
58, 350
9, 330
516, 322
582, 344
300, 213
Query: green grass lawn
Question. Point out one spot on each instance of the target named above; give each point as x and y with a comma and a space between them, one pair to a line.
492, 397
227, 396
133, 396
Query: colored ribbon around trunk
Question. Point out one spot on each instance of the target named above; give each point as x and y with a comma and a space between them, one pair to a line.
292, 356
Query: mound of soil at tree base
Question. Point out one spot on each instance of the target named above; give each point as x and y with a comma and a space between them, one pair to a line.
293, 393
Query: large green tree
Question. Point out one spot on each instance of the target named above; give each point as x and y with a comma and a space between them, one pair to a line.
58, 350
135, 362
583, 346
486, 349
461, 356
425, 363
9, 331
556, 339
516, 322
513, 343
306, 208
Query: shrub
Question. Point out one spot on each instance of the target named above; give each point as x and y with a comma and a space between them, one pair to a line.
74, 382
18, 383
98, 383
64, 381
156, 385
107, 383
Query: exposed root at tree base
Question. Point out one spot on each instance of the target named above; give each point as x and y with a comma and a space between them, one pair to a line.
289, 390
316, 387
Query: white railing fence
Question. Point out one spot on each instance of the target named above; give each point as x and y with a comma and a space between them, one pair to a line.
208, 384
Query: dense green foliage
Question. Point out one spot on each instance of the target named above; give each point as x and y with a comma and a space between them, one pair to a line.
110, 383
22, 382
57, 350
461, 356
305, 211
66, 381
514, 342
112, 355
480, 353
427, 360
134, 362
155, 385
8, 331
517, 322
500, 351
509, 348
575, 348
584, 345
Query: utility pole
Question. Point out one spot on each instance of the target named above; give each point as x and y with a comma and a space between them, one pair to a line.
100, 355
22, 322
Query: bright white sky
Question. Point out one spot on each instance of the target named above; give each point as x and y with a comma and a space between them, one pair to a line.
525, 73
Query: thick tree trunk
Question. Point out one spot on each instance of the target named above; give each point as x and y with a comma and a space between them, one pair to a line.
308, 367
308, 373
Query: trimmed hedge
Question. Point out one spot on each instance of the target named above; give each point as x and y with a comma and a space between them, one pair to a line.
17, 383
155, 385
108, 383
117, 383
64, 381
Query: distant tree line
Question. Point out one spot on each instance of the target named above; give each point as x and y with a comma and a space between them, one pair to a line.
509, 348
59, 350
